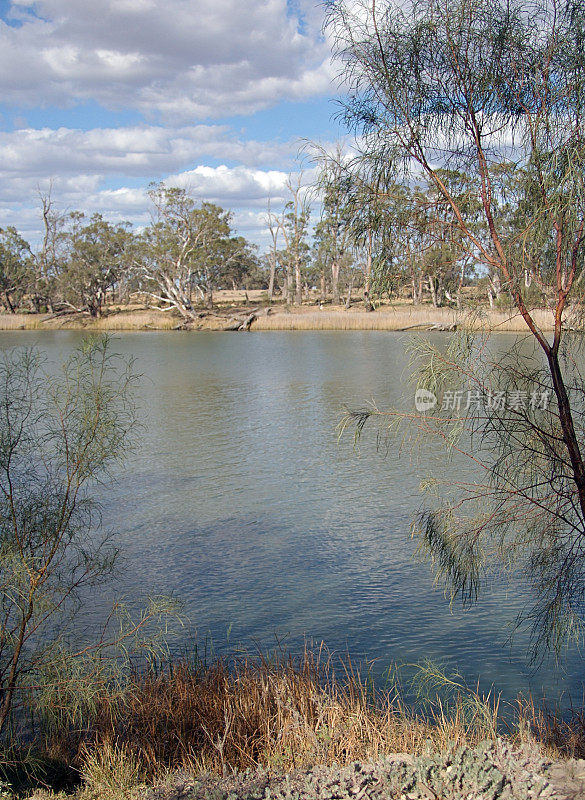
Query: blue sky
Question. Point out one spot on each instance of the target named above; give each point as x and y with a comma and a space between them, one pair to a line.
100, 98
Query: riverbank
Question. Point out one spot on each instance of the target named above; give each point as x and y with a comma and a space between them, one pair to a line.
278, 729
230, 317
491, 771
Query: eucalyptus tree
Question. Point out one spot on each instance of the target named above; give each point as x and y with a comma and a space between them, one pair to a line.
183, 250
468, 85
447, 261
321, 257
96, 253
46, 259
370, 220
272, 257
334, 185
15, 268
238, 263
293, 224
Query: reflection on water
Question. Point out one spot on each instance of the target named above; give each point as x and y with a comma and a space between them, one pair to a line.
241, 501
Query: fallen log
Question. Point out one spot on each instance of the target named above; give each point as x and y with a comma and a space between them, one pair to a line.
243, 323
67, 312
431, 326
245, 326
233, 325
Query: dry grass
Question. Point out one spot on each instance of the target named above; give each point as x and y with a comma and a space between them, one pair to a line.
238, 296
559, 734
279, 715
134, 321
131, 320
387, 318
109, 771
394, 319
353, 320
283, 715
21, 322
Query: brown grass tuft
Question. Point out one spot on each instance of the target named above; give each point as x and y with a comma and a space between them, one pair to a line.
109, 771
280, 715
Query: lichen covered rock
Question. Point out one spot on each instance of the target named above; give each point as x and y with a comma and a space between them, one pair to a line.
492, 771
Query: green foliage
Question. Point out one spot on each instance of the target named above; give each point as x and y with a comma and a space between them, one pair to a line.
188, 248
59, 435
15, 267
461, 87
83, 262
334, 240
93, 260
486, 101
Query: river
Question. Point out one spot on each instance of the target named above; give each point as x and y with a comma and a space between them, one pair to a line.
241, 501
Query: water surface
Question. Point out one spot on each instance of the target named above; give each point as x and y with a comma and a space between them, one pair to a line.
241, 501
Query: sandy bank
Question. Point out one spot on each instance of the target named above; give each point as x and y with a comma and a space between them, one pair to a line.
305, 318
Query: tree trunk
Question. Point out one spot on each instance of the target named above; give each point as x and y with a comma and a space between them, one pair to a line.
496, 285
415, 296
368, 271
298, 284
568, 428
271, 281
433, 291
335, 282
349, 290
286, 287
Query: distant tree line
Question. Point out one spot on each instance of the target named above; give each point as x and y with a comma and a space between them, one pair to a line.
186, 252
389, 236
375, 235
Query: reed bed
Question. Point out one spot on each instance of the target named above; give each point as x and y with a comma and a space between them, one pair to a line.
16, 322
396, 319
387, 318
134, 321
267, 715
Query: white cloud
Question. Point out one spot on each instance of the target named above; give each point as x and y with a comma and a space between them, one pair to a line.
185, 58
137, 151
236, 186
245, 190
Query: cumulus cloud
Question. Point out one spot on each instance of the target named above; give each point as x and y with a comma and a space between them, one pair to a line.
179, 59
77, 164
245, 190
235, 186
139, 151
